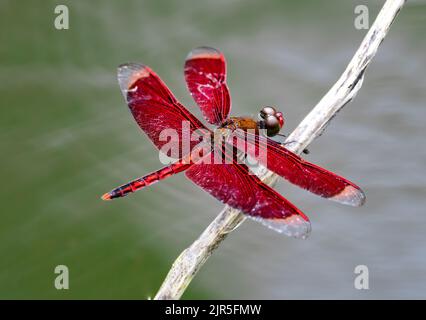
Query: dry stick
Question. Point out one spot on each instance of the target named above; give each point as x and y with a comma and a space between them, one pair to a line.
344, 90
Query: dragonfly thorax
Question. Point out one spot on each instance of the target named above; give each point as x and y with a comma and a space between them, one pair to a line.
270, 122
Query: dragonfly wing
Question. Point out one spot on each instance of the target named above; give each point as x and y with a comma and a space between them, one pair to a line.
205, 75
154, 106
234, 185
299, 171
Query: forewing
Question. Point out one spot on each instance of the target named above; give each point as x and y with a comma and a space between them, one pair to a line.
232, 184
154, 107
205, 74
299, 171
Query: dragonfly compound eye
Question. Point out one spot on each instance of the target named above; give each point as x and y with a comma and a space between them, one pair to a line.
267, 111
272, 125
280, 118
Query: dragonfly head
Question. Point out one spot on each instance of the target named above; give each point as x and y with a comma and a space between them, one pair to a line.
271, 120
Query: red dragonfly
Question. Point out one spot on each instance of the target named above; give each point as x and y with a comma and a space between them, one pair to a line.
155, 108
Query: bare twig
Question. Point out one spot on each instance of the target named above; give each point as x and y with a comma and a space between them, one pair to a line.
343, 91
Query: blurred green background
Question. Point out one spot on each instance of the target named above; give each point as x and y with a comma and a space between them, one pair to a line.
67, 137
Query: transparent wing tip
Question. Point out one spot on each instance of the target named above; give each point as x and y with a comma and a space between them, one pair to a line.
128, 73
350, 196
203, 52
294, 226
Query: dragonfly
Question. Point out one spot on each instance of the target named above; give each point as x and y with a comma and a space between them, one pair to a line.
155, 108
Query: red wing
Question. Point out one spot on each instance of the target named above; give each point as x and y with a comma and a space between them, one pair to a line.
233, 184
153, 105
205, 74
300, 172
